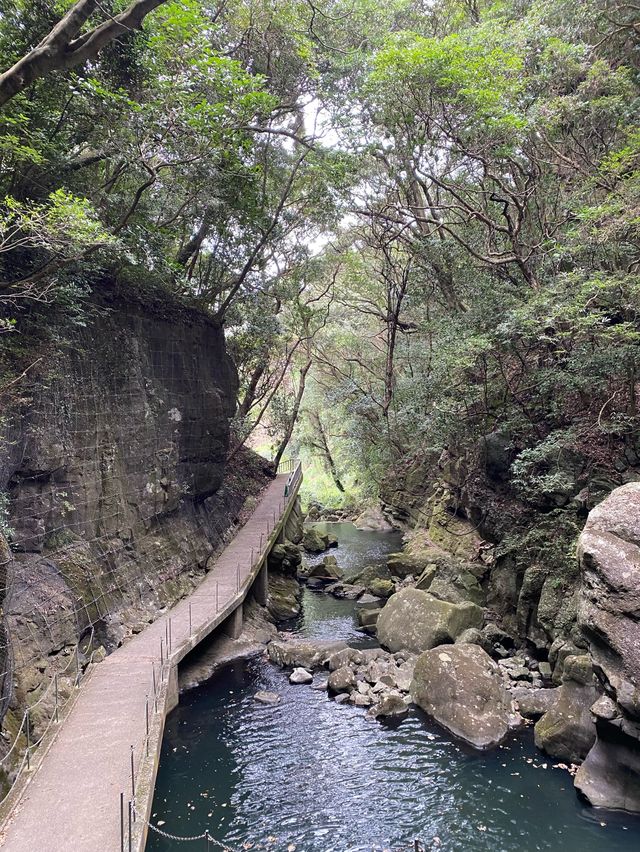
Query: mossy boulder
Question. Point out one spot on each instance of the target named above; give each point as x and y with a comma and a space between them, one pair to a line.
381, 588
404, 564
567, 731
417, 621
314, 540
371, 575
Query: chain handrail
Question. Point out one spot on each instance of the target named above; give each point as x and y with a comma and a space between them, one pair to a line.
57, 710
135, 814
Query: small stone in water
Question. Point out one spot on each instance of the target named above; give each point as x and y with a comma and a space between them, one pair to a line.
267, 697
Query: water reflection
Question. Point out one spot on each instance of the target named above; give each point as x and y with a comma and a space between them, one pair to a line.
317, 776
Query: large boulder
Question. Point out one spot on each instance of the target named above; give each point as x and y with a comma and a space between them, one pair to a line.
461, 687
284, 597
567, 730
316, 541
303, 654
417, 621
404, 564
610, 775
327, 570
370, 575
285, 558
609, 553
608, 606
372, 519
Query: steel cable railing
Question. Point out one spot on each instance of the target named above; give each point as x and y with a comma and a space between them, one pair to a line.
132, 815
57, 711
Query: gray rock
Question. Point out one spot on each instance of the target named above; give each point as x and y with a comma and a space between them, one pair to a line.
315, 541
306, 654
372, 519
392, 704
300, 675
342, 698
403, 565
534, 703
345, 657
610, 774
284, 597
608, 606
461, 687
545, 670
342, 680
368, 619
417, 621
267, 697
567, 730
360, 700
470, 636
369, 576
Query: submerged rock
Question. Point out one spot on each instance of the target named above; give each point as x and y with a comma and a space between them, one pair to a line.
267, 697
460, 686
417, 621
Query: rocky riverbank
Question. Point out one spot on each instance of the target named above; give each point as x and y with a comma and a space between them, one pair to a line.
450, 650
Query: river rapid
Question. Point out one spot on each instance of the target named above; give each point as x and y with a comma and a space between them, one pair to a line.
313, 776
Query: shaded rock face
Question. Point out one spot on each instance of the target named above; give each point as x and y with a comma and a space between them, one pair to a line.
114, 461
416, 621
608, 607
609, 553
567, 730
461, 687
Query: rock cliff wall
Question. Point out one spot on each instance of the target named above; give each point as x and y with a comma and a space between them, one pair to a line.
112, 460
519, 542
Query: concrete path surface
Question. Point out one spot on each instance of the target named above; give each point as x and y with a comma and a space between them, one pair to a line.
72, 803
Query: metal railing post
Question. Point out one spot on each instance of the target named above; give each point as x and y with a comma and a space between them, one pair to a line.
130, 833
121, 822
133, 778
28, 733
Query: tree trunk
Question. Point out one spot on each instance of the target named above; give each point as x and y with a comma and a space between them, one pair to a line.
294, 414
326, 451
63, 48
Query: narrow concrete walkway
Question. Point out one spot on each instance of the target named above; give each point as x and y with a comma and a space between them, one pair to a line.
72, 802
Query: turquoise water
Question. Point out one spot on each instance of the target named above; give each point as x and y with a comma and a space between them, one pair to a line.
317, 776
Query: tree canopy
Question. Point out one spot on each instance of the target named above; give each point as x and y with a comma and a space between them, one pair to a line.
418, 222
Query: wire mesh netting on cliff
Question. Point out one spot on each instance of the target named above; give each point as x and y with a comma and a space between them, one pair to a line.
113, 469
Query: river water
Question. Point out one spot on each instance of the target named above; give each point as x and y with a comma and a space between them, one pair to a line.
313, 776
